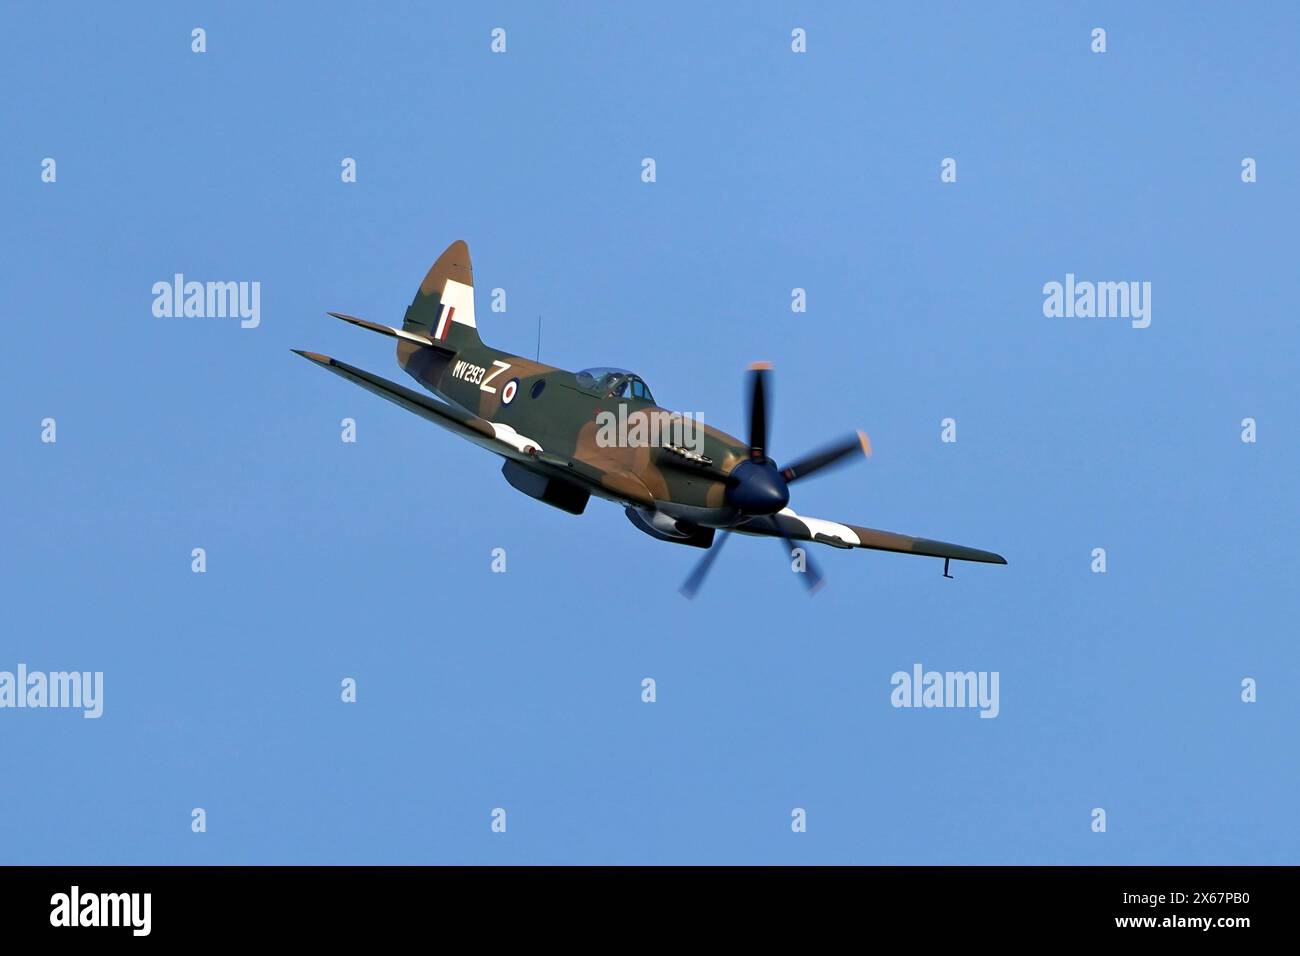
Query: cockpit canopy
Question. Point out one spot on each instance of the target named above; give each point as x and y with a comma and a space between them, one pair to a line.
614, 383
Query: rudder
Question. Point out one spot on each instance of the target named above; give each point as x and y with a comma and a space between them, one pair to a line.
443, 307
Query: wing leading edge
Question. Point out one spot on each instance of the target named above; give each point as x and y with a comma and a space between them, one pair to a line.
797, 527
479, 431
495, 437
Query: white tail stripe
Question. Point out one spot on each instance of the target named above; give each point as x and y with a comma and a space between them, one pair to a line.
459, 297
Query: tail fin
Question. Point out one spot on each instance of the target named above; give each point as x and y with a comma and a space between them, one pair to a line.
443, 307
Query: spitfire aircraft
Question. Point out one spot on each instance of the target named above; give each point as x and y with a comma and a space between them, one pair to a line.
546, 424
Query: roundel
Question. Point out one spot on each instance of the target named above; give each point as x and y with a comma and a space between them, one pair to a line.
509, 390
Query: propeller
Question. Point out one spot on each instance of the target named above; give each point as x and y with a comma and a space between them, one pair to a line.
758, 410
831, 455
757, 488
701, 571
811, 574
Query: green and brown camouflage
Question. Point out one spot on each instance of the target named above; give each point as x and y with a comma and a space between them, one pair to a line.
547, 424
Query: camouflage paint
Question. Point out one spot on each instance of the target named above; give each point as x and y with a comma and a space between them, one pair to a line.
553, 431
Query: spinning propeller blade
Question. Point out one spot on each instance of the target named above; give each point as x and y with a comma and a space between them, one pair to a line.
755, 487
701, 571
832, 455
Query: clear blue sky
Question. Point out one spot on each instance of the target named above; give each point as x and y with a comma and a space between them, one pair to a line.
522, 690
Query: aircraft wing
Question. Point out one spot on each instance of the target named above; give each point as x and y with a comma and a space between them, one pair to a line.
797, 527
495, 437
502, 439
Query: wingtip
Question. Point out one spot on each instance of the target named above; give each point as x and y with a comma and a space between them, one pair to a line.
313, 356
865, 441
760, 366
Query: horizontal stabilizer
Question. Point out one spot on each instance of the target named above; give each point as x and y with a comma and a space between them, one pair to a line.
402, 334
